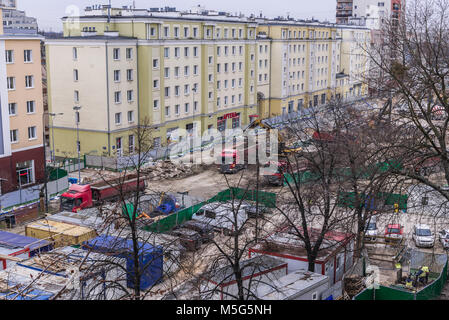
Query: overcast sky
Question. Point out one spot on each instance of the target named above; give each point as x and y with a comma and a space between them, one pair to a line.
49, 12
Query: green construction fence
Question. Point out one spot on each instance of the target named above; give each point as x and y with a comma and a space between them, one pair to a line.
265, 198
430, 292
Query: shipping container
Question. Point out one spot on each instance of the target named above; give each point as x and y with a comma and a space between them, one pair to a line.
61, 234
150, 258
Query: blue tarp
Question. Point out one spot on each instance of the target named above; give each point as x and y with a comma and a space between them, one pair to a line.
150, 258
19, 241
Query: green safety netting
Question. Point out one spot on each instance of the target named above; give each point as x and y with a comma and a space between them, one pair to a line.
56, 174
349, 199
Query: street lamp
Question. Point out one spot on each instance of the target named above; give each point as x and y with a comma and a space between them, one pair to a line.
53, 134
77, 118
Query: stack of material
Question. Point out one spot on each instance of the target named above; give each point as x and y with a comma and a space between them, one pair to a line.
353, 285
168, 170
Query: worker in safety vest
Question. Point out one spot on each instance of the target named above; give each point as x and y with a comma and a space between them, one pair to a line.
424, 274
409, 282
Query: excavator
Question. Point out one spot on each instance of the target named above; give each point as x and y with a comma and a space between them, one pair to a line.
282, 164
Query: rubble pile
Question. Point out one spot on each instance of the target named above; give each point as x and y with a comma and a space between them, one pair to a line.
162, 170
353, 285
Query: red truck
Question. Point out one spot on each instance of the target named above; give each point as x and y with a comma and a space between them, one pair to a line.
282, 167
394, 233
80, 197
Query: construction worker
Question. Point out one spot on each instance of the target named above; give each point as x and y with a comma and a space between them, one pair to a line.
409, 282
424, 275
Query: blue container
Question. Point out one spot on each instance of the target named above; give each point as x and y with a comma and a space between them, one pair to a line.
150, 258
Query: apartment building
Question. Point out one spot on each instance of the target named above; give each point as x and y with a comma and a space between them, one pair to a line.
344, 11
369, 13
193, 70
8, 3
21, 149
308, 65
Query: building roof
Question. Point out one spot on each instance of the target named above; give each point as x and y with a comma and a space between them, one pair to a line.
249, 268
96, 37
19, 241
290, 285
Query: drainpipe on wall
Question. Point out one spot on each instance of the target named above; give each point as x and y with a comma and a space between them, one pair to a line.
107, 96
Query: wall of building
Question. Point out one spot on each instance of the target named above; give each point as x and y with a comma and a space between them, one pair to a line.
19, 69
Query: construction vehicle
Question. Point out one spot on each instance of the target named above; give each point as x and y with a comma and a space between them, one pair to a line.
166, 206
80, 197
230, 161
394, 233
275, 177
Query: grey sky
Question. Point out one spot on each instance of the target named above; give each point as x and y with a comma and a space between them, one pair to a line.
49, 12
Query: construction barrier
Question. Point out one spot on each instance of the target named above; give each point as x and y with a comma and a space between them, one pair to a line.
265, 198
432, 291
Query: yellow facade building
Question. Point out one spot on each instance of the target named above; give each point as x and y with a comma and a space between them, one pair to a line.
194, 70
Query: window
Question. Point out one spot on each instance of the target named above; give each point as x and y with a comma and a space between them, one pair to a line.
167, 92
315, 296
75, 53
131, 143
75, 75
76, 96
236, 121
12, 109
31, 107
177, 109
116, 54
25, 172
155, 104
11, 83
210, 59
166, 32
186, 71
31, 133
186, 52
14, 135
116, 75
195, 32
167, 111
118, 118
166, 52
129, 53
27, 56
29, 81
167, 72
186, 108
155, 84
218, 68
195, 51
9, 56
129, 75
176, 32
176, 91
155, 63
210, 78
176, 71
176, 52
130, 95
186, 89
118, 97
130, 116
186, 32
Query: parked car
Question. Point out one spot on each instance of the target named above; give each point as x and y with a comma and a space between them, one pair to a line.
189, 239
422, 235
394, 232
221, 217
206, 231
371, 229
444, 238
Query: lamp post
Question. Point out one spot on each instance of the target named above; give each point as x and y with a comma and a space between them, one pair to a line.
77, 118
194, 90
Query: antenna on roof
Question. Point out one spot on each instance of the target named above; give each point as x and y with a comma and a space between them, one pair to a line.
109, 12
